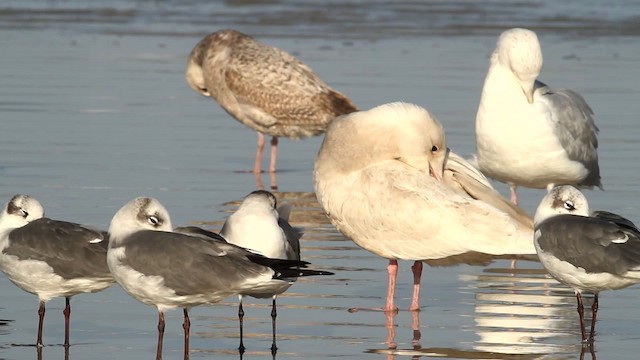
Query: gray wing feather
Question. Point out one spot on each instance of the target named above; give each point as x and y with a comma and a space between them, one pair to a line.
199, 232
575, 128
292, 234
615, 218
590, 243
64, 246
190, 265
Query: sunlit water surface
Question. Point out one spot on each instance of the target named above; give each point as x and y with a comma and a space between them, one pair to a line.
95, 111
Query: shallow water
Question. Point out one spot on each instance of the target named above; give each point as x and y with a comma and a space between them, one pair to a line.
95, 111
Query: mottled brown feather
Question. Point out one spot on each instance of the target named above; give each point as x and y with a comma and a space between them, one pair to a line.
263, 87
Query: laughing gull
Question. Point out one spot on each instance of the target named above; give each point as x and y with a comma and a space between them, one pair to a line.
261, 226
167, 270
588, 253
50, 258
264, 88
379, 176
527, 133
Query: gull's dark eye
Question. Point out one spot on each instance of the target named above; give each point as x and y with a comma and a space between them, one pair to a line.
569, 205
153, 220
434, 148
24, 212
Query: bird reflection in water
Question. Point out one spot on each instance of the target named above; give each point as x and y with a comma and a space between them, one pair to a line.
391, 328
588, 348
272, 179
39, 352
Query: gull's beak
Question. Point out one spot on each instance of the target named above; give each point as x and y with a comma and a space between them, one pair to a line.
528, 90
436, 170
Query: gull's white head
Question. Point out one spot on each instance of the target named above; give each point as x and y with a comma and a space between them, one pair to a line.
519, 50
392, 132
19, 211
141, 213
561, 200
260, 198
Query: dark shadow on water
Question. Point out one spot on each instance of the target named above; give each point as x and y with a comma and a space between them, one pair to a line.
4, 323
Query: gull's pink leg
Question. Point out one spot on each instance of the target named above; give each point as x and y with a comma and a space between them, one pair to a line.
417, 275
514, 194
392, 270
258, 165
274, 154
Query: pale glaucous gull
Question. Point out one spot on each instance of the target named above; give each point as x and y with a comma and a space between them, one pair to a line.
264, 88
527, 133
379, 176
589, 253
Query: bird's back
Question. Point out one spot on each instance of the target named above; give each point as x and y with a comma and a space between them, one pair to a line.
264, 87
401, 213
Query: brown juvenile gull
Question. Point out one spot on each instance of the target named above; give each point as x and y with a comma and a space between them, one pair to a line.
264, 88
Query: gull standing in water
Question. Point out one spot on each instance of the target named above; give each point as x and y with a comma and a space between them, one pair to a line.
264, 88
589, 253
529, 134
51, 258
261, 226
379, 176
167, 269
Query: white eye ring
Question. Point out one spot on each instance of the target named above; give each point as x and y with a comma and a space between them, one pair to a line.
153, 220
569, 205
24, 212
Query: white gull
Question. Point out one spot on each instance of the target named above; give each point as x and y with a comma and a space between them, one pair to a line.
379, 177
260, 225
527, 133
